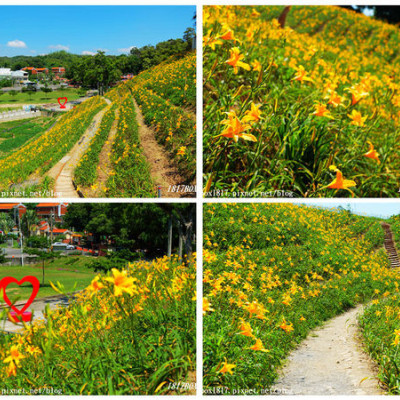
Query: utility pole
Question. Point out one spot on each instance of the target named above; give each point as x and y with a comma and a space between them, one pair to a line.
51, 226
169, 252
21, 238
180, 241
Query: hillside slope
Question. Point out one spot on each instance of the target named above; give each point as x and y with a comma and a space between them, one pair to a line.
272, 273
293, 108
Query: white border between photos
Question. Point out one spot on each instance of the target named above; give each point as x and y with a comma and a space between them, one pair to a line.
199, 200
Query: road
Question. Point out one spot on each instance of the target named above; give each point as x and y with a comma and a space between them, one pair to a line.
12, 252
38, 307
19, 88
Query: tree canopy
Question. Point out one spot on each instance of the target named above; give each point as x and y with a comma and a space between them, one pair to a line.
101, 70
131, 226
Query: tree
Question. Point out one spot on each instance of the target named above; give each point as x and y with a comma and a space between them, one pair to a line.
101, 71
6, 223
134, 226
43, 254
13, 93
47, 90
390, 14
28, 221
185, 214
77, 216
189, 36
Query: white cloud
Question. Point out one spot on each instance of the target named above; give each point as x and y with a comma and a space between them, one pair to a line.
59, 47
88, 53
126, 50
105, 50
32, 51
17, 43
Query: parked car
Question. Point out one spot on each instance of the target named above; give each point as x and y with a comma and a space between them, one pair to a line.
70, 247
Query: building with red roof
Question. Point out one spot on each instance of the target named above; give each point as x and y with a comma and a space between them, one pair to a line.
57, 210
10, 207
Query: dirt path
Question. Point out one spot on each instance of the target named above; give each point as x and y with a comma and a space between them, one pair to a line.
63, 171
162, 171
330, 362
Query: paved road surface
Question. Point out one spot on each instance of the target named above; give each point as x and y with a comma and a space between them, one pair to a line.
37, 307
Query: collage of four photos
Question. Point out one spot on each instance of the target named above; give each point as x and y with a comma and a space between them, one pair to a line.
199, 199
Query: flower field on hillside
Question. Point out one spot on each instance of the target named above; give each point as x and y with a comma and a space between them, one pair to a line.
39, 155
268, 283
381, 331
130, 332
15, 134
130, 175
309, 105
86, 170
166, 95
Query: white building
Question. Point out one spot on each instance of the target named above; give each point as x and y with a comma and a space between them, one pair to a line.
6, 73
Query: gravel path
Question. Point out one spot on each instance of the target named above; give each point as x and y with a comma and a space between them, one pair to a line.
63, 171
330, 361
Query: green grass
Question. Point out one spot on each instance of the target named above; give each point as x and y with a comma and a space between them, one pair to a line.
67, 270
38, 97
14, 246
15, 135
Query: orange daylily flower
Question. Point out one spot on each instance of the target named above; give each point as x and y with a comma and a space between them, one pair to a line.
235, 129
286, 327
15, 356
228, 35
245, 329
357, 118
372, 153
335, 99
301, 75
256, 65
210, 41
356, 95
122, 283
206, 306
339, 182
321, 111
397, 337
95, 285
11, 370
227, 368
253, 114
235, 60
258, 346
181, 151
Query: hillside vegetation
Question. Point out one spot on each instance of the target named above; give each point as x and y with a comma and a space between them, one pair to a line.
131, 331
272, 273
311, 107
166, 95
112, 166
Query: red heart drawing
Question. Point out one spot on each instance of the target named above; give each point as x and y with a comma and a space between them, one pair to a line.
31, 279
62, 105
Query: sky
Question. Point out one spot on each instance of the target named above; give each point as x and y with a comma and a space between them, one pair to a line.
370, 208
34, 30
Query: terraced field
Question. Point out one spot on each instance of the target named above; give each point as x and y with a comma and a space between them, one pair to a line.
137, 141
